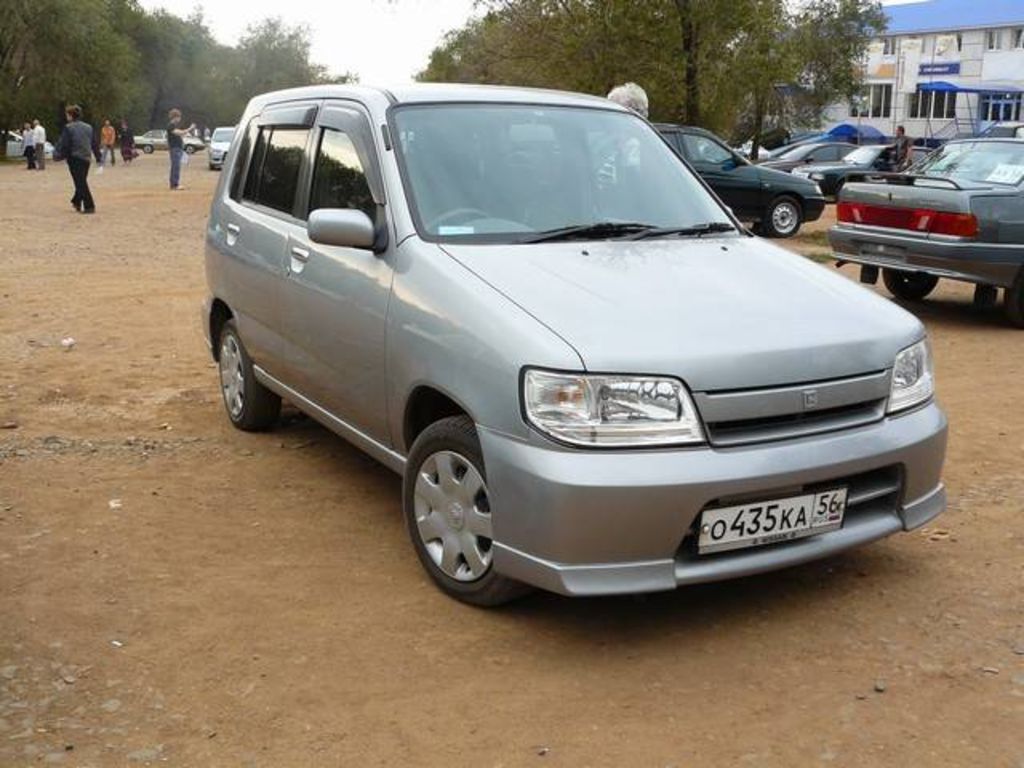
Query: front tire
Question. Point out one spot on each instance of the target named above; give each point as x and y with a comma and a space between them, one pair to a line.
448, 515
782, 219
189, 149
147, 149
250, 406
909, 286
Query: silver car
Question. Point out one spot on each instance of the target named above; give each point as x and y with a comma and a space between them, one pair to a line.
590, 377
220, 143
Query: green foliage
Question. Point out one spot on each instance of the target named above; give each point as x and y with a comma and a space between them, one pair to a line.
716, 63
118, 60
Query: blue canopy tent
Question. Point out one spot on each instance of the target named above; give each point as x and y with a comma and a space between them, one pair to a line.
861, 134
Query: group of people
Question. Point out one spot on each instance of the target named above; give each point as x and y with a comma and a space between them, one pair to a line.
79, 144
33, 142
112, 138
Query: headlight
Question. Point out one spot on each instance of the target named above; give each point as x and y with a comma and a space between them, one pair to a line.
611, 410
913, 379
817, 177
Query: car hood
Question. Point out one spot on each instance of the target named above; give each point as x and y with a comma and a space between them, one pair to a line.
720, 313
777, 179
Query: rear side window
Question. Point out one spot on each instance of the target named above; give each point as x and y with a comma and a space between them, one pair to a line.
273, 177
701, 149
339, 180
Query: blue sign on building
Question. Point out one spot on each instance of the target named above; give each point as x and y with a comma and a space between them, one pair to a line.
948, 68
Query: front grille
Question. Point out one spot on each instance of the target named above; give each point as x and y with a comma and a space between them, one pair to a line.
780, 413
868, 493
795, 424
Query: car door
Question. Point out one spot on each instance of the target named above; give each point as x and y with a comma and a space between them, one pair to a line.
735, 181
253, 223
335, 299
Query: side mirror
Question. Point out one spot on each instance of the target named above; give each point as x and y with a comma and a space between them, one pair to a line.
346, 227
730, 164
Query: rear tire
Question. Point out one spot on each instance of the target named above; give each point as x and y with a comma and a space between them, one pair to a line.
909, 286
250, 406
1014, 301
447, 513
782, 218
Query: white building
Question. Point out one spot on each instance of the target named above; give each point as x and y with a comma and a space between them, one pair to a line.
944, 68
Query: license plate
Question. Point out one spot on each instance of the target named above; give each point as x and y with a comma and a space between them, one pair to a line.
769, 522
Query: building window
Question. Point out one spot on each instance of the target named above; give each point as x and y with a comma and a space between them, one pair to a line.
959, 42
996, 107
876, 102
935, 104
888, 46
994, 39
1018, 37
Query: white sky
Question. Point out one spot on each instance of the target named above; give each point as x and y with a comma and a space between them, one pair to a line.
383, 41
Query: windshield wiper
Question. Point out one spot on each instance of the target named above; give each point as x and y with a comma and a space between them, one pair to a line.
697, 230
600, 229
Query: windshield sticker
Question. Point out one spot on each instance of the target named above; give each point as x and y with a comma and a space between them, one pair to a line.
1005, 173
450, 230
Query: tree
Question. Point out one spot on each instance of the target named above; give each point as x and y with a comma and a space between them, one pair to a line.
716, 63
53, 52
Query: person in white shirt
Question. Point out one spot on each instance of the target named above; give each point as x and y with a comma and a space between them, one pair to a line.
40, 134
28, 146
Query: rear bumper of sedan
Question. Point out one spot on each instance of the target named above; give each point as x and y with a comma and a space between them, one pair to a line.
987, 263
610, 522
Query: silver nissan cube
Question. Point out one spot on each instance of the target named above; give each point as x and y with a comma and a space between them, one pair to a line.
591, 378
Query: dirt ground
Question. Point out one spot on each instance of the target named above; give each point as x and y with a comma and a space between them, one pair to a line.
173, 591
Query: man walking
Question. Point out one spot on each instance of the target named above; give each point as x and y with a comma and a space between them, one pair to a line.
40, 137
176, 145
78, 145
28, 146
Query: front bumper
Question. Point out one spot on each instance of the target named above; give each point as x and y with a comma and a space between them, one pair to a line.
607, 522
986, 263
813, 208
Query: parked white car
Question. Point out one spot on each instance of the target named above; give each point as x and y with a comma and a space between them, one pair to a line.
220, 142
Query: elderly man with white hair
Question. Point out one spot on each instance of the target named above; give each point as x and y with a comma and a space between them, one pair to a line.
631, 96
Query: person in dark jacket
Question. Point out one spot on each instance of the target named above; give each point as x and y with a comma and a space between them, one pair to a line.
78, 145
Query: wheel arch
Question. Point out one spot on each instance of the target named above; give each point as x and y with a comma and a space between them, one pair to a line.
220, 313
425, 405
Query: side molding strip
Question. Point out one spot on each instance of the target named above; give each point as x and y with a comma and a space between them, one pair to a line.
389, 458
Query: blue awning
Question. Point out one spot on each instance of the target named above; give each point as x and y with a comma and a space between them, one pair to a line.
947, 87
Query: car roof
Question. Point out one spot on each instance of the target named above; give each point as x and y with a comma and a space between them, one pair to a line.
453, 93
987, 140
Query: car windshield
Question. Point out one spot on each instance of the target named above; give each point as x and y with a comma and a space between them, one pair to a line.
988, 162
508, 173
223, 134
863, 156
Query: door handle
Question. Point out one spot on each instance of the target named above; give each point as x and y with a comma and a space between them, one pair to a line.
300, 254
234, 229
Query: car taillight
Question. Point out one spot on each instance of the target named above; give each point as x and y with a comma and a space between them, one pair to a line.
914, 219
